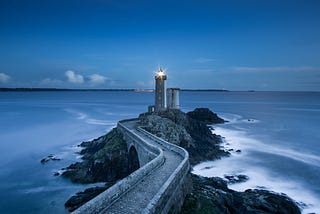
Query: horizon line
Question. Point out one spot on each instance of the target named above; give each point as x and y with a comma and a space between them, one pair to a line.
2, 89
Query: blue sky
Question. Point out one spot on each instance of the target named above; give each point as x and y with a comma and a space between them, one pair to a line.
235, 45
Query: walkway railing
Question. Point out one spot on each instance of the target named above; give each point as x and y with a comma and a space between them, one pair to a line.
162, 201
159, 203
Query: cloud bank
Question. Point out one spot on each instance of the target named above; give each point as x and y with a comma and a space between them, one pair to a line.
73, 77
97, 79
4, 78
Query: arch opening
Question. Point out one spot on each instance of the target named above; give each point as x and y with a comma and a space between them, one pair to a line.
133, 160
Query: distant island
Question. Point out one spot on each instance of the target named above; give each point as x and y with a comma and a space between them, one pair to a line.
83, 89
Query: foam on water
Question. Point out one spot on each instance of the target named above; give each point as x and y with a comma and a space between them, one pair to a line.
101, 122
259, 177
239, 139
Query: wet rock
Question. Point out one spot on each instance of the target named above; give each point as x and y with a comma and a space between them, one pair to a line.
82, 197
50, 157
238, 150
205, 115
211, 195
105, 159
232, 179
56, 174
192, 134
264, 201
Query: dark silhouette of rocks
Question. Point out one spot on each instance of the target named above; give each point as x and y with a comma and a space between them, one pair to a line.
50, 157
82, 197
190, 132
232, 179
211, 195
104, 160
205, 115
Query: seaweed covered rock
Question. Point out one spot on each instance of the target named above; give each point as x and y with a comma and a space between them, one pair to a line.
104, 160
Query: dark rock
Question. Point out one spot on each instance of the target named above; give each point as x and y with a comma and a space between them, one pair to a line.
205, 115
264, 201
211, 195
232, 179
82, 197
192, 134
238, 150
56, 174
166, 129
50, 157
208, 167
104, 160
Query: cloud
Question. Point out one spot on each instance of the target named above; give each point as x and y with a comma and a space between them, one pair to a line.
97, 79
4, 78
73, 77
204, 60
274, 69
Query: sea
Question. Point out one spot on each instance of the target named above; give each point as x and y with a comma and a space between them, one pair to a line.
276, 132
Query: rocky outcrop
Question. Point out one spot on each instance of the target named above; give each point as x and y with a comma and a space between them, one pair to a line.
166, 129
211, 195
205, 115
82, 197
190, 132
50, 157
104, 160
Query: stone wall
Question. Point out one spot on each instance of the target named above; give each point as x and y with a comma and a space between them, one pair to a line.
146, 152
170, 196
97, 204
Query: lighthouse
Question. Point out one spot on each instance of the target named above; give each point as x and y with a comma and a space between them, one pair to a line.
160, 93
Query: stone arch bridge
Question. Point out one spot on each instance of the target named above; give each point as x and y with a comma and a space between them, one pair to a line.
158, 186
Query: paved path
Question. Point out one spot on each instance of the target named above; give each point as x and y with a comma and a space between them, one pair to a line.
136, 199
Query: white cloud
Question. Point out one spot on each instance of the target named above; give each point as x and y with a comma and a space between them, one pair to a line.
274, 69
4, 78
73, 77
97, 79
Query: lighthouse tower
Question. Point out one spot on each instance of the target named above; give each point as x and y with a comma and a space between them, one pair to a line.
160, 98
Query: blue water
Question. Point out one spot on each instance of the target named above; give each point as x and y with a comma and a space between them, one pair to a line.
277, 133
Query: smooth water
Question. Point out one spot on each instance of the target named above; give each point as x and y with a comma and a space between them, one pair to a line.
277, 133
36, 124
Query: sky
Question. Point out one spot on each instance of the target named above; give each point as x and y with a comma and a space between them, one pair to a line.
269, 45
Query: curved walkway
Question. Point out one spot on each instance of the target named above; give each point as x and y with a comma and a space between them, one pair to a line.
144, 196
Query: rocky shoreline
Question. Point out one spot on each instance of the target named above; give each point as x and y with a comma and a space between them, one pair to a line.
211, 195
105, 159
